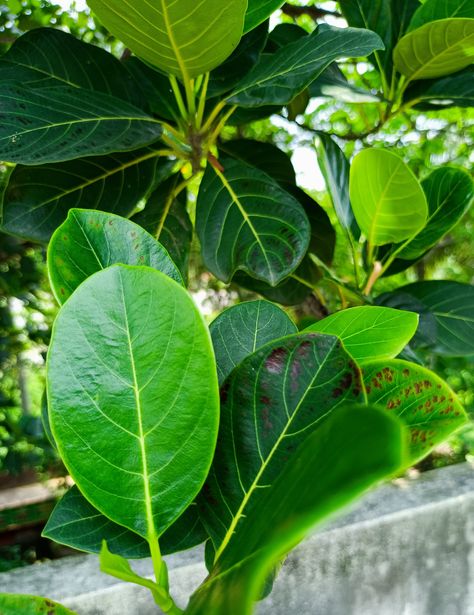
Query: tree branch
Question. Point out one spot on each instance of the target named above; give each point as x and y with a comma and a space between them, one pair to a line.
312, 11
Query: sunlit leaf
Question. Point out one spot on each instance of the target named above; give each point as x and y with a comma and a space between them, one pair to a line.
432, 10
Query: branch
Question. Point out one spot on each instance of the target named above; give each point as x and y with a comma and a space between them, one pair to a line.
350, 136
312, 11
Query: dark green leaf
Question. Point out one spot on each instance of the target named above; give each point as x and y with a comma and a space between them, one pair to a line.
44, 58
284, 34
279, 77
61, 123
452, 91
451, 305
258, 11
76, 523
332, 83
38, 198
432, 10
16, 604
141, 378
370, 332
270, 404
449, 192
356, 447
246, 116
166, 218
419, 398
89, 241
245, 220
240, 330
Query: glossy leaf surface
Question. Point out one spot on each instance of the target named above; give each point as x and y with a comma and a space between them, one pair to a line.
432, 10
258, 11
356, 447
14, 604
76, 523
245, 220
61, 123
241, 329
449, 192
387, 199
419, 398
166, 218
89, 241
141, 379
270, 404
278, 78
182, 38
370, 332
436, 49
38, 198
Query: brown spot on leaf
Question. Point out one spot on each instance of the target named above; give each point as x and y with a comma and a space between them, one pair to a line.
276, 360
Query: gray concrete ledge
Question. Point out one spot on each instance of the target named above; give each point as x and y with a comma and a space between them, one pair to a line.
405, 549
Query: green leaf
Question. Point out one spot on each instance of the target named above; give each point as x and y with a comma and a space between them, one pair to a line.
449, 192
452, 91
271, 402
241, 329
38, 198
264, 156
118, 567
370, 332
179, 38
436, 49
166, 218
247, 116
140, 461
76, 523
14, 604
419, 398
332, 83
387, 199
61, 123
89, 241
335, 169
355, 448
245, 220
258, 11
432, 10
448, 306
279, 77
44, 58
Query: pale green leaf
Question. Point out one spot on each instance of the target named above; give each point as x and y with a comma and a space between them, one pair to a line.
23, 604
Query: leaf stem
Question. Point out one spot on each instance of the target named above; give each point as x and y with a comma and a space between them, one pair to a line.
202, 101
212, 116
178, 97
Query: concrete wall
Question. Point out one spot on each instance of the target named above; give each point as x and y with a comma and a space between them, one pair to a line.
405, 549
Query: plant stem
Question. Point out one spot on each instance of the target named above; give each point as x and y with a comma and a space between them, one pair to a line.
212, 116
202, 101
178, 97
374, 276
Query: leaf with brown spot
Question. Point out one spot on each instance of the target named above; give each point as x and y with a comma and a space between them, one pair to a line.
23, 604
419, 397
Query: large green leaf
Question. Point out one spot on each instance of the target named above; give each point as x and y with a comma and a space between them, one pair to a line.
446, 307
388, 202
16, 604
332, 83
182, 38
89, 241
370, 332
449, 192
133, 397
335, 169
432, 10
423, 401
38, 198
277, 78
270, 404
53, 124
245, 220
241, 329
452, 91
356, 447
44, 58
436, 49
76, 523
258, 11
166, 218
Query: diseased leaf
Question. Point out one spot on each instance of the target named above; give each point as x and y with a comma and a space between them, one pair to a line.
166, 218
258, 11
179, 38
356, 447
370, 332
76, 523
38, 198
436, 49
387, 199
419, 398
61, 123
277, 78
245, 220
140, 376
89, 241
432, 10
271, 402
14, 604
241, 329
